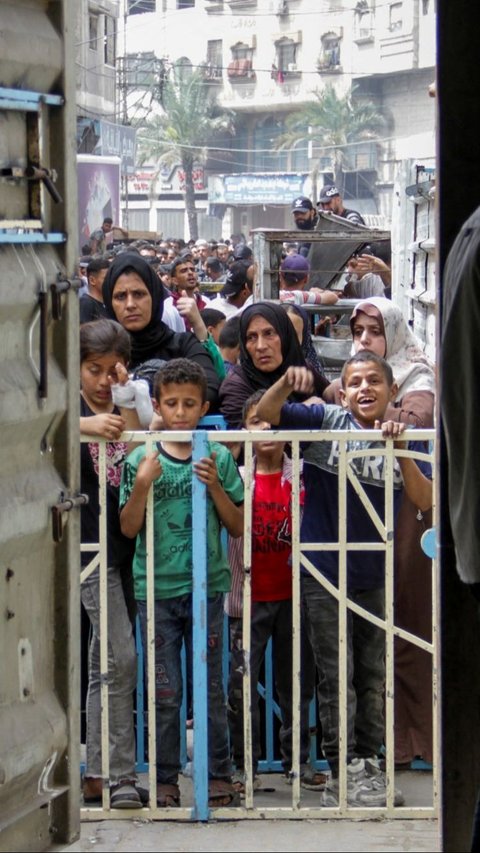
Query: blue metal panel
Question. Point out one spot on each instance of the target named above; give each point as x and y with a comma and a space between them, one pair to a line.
199, 633
27, 101
32, 237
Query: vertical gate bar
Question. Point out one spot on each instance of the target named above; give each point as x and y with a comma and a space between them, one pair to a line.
183, 708
436, 651
269, 707
199, 633
140, 701
246, 626
103, 589
296, 623
342, 623
150, 650
389, 621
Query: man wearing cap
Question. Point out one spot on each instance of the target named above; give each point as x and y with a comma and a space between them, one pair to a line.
202, 251
242, 252
294, 272
238, 288
331, 200
306, 218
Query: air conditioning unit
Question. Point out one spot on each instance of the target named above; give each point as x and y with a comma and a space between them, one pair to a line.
292, 67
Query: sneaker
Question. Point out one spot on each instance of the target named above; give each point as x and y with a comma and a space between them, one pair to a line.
238, 782
378, 778
362, 789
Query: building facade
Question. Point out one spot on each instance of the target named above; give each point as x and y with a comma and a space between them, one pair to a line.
264, 60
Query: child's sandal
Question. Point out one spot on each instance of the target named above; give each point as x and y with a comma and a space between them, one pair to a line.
221, 793
168, 795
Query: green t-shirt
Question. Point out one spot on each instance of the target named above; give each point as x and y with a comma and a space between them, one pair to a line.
172, 513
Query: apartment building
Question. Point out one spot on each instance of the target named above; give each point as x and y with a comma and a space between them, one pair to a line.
265, 59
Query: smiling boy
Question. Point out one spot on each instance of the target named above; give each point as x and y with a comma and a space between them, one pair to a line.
367, 388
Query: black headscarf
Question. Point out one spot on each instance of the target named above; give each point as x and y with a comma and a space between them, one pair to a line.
291, 350
147, 342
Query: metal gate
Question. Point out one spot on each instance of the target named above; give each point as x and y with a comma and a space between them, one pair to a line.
39, 451
297, 807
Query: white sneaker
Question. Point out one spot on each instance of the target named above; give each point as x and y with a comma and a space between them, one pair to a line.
378, 779
366, 786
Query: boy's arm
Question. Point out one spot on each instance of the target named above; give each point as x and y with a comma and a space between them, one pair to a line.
132, 515
417, 486
229, 513
295, 379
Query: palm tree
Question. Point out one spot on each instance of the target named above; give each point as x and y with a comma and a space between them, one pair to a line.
332, 123
181, 133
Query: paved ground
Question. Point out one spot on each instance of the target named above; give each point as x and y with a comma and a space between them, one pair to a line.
270, 835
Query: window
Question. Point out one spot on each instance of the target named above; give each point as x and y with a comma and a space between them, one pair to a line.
267, 159
182, 68
286, 60
109, 41
395, 18
137, 7
214, 66
241, 66
185, 4
92, 31
299, 156
142, 70
363, 21
329, 52
241, 51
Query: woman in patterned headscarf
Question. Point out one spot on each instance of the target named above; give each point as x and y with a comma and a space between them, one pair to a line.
379, 326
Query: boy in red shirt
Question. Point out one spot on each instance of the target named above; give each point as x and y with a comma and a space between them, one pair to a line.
271, 612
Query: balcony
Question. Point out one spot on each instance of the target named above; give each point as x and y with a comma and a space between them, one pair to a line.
212, 72
240, 70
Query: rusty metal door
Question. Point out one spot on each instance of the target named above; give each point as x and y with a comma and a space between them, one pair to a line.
39, 460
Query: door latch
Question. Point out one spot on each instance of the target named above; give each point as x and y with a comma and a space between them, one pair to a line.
65, 505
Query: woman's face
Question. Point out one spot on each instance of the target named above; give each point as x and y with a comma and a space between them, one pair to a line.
297, 324
368, 334
131, 302
263, 344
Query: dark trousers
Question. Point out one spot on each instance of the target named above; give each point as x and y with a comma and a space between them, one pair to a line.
365, 669
268, 619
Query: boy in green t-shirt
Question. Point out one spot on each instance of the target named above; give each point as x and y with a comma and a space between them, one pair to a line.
180, 391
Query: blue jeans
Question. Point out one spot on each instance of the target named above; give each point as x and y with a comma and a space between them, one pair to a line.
122, 676
173, 624
365, 669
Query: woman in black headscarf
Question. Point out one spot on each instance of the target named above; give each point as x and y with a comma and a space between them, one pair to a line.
133, 295
268, 346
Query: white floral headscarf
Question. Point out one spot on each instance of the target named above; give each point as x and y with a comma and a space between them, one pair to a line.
412, 370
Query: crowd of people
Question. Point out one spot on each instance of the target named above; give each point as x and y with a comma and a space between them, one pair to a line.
173, 330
